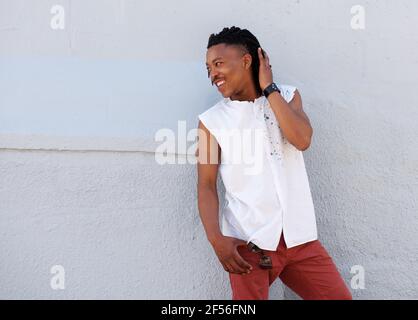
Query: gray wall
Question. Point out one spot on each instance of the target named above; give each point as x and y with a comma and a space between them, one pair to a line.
79, 183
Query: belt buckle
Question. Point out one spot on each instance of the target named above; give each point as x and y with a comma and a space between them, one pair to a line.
265, 261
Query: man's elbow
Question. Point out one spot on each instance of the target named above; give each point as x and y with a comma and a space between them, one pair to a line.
304, 147
304, 144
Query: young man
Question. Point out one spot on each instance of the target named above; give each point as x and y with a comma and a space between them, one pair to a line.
268, 225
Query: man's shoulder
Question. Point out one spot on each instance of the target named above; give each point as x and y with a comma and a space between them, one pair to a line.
212, 118
287, 91
216, 107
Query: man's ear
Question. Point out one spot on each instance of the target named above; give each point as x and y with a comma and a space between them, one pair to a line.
247, 60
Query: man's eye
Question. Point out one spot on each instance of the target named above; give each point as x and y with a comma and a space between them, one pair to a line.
216, 64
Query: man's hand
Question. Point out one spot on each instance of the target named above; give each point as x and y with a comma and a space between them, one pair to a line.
265, 73
226, 250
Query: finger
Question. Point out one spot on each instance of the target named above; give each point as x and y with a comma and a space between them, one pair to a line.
242, 263
224, 266
266, 55
229, 267
236, 268
267, 60
260, 55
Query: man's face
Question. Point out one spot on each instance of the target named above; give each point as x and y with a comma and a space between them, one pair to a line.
228, 68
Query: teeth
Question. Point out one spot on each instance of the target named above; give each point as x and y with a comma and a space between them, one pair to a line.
220, 83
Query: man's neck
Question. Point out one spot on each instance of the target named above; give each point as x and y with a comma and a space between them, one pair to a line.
248, 94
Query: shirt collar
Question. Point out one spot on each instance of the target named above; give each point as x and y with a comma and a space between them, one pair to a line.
238, 103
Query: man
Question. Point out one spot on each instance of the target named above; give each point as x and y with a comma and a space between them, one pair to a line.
268, 223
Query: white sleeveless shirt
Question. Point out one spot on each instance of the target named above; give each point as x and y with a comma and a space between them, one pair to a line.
267, 187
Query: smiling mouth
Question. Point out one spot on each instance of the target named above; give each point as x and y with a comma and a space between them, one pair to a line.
220, 83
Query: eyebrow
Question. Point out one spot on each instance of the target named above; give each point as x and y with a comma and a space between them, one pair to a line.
214, 60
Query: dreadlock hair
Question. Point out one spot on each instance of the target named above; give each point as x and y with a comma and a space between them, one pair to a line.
245, 38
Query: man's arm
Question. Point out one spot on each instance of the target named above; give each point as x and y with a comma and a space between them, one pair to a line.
294, 123
208, 159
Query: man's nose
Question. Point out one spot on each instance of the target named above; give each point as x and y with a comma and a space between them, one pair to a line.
213, 76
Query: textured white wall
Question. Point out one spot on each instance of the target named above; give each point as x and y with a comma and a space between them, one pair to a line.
79, 185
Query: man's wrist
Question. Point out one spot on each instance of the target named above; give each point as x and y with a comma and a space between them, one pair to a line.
272, 87
265, 86
214, 237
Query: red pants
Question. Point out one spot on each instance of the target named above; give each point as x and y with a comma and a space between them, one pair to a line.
307, 269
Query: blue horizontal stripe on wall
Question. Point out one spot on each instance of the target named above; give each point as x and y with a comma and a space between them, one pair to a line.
69, 96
